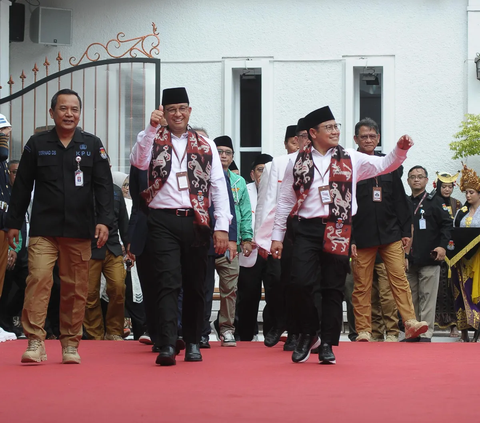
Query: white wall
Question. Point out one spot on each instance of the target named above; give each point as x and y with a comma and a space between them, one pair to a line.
307, 41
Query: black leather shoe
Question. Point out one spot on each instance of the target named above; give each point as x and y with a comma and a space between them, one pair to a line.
155, 348
204, 342
166, 356
291, 342
422, 339
180, 345
325, 354
304, 345
192, 353
272, 337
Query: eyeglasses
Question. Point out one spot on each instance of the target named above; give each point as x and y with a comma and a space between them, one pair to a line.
330, 128
226, 152
302, 135
368, 137
173, 110
415, 177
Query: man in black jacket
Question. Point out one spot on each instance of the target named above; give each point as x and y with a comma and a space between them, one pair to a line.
108, 260
382, 224
72, 178
431, 232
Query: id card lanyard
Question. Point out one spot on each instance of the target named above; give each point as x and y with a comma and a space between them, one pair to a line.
377, 192
422, 223
78, 173
182, 177
324, 190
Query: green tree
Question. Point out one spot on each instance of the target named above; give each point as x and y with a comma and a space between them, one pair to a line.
468, 137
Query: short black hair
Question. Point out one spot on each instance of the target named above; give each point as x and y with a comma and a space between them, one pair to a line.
369, 123
419, 167
65, 91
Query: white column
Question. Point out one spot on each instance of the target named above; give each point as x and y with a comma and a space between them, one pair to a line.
473, 47
4, 46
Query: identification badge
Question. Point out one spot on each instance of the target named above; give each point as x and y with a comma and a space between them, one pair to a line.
325, 196
377, 194
78, 178
182, 181
422, 223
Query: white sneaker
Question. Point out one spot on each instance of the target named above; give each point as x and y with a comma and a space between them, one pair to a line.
7, 336
228, 339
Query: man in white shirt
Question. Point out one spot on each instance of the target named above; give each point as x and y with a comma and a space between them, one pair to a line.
319, 191
184, 175
254, 270
267, 201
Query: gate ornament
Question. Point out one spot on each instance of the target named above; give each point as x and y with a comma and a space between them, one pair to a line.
137, 45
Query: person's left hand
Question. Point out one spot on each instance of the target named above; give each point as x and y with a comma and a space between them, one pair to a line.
12, 259
404, 142
247, 248
220, 241
440, 253
101, 235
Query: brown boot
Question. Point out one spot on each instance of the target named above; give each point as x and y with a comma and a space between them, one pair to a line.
414, 328
70, 355
35, 352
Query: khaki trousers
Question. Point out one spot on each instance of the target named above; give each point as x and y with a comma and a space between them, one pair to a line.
424, 282
393, 257
228, 273
72, 255
3, 258
384, 308
115, 273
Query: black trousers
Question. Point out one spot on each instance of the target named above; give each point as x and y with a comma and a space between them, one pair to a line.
314, 270
145, 270
179, 259
249, 291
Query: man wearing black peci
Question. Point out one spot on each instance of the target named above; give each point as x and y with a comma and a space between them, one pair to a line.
184, 175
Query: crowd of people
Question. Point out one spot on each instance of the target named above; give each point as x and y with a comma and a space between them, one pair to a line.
83, 246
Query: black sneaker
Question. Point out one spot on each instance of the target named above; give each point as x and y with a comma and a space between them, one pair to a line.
325, 354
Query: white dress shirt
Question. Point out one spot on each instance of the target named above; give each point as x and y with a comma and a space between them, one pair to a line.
169, 197
268, 193
364, 167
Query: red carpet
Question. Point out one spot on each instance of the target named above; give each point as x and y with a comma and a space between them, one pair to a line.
119, 382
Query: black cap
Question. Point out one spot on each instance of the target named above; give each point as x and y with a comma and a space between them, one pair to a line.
174, 96
261, 159
290, 132
233, 166
301, 125
317, 117
223, 141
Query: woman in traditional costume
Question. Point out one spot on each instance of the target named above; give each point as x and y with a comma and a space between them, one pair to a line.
445, 317
466, 256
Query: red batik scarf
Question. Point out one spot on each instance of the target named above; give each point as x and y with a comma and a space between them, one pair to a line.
338, 229
199, 166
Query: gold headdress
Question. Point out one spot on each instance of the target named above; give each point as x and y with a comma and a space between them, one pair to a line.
446, 178
469, 179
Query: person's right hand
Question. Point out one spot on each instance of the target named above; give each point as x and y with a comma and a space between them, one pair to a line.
158, 118
276, 249
12, 236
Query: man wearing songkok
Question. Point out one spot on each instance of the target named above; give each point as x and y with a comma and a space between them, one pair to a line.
268, 192
184, 176
320, 191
